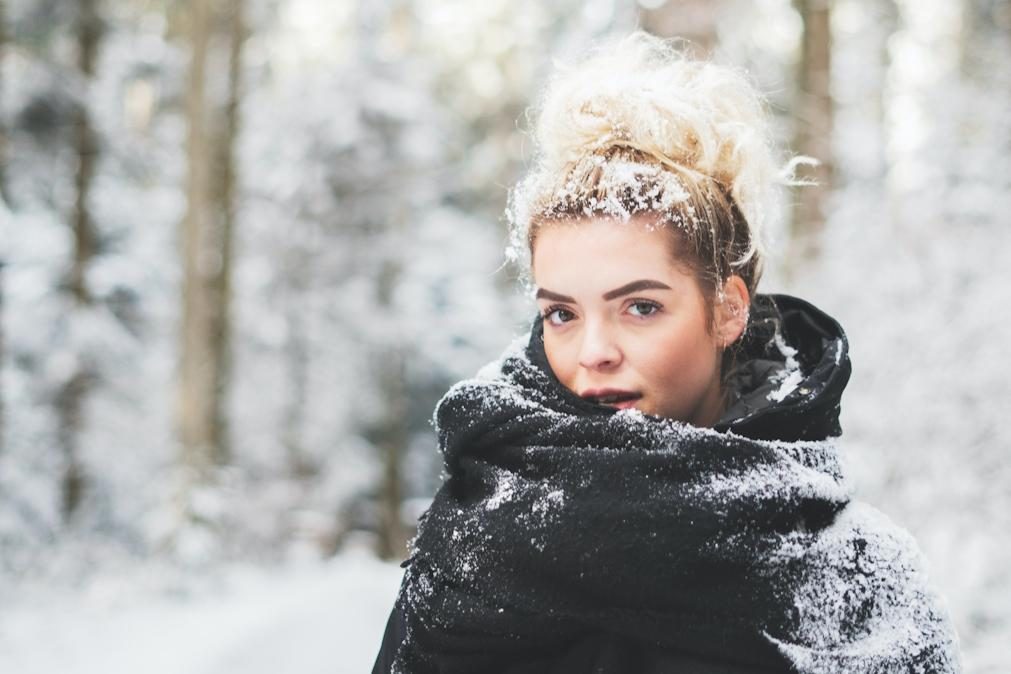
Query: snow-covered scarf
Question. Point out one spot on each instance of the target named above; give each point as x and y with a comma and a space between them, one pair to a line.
554, 522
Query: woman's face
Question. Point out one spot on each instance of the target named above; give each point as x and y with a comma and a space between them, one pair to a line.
624, 325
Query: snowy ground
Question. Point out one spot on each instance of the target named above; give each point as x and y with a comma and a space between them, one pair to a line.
319, 618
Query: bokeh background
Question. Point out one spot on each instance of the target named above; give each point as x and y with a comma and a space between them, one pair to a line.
247, 245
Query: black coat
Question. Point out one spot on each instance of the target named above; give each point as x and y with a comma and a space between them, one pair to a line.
810, 413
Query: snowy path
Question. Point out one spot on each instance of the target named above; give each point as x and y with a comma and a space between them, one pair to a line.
320, 619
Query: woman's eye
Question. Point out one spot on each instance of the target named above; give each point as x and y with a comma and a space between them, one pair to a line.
557, 315
642, 308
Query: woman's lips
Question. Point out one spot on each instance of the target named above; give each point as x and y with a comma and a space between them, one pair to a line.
623, 405
616, 398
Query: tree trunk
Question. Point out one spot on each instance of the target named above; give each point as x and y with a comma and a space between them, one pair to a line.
71, 398
392, 437
887, 18
813, 131
69, 401
4, 204
216, 35
3, 411
387, 357
982, 22
692, 20
4, 196
85, 146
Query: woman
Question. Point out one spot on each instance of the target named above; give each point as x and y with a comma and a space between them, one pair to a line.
649, 482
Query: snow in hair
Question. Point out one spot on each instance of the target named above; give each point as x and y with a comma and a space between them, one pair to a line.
640, 127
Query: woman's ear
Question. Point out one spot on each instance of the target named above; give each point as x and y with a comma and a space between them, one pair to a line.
732, 311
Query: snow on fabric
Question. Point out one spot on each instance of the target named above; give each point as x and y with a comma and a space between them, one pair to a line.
791, 375
553, 521
864, 559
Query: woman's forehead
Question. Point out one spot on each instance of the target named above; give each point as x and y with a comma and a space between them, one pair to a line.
596, 255
590, 234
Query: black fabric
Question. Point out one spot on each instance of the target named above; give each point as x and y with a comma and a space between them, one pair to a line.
569, 537
811, 410
597, 653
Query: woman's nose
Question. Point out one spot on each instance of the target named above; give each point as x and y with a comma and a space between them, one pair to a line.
599, 350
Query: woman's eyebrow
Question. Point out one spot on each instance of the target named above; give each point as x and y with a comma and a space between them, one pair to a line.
544, 294
641, 284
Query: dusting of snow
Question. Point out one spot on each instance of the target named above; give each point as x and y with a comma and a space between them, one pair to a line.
633, 414
791, 376
810, 471
623, 189
504, 491
864, 570
545, 504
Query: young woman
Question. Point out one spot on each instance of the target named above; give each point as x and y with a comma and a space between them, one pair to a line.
649, 481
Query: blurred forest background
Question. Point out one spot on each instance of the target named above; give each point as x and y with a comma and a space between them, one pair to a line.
247, 244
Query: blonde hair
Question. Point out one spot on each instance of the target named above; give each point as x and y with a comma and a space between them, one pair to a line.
639, 127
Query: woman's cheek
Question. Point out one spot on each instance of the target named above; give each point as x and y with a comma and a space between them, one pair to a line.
562, 357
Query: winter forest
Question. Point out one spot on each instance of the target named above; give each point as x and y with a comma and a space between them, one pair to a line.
248, 244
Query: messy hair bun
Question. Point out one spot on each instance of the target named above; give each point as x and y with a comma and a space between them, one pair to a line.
640, 127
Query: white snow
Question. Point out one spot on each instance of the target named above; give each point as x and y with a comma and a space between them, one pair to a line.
305, 618
791, 376
504, 489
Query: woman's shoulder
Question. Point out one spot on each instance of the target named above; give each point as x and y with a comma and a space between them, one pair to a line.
892, 618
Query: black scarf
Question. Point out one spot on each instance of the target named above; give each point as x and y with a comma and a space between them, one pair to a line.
561, 518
